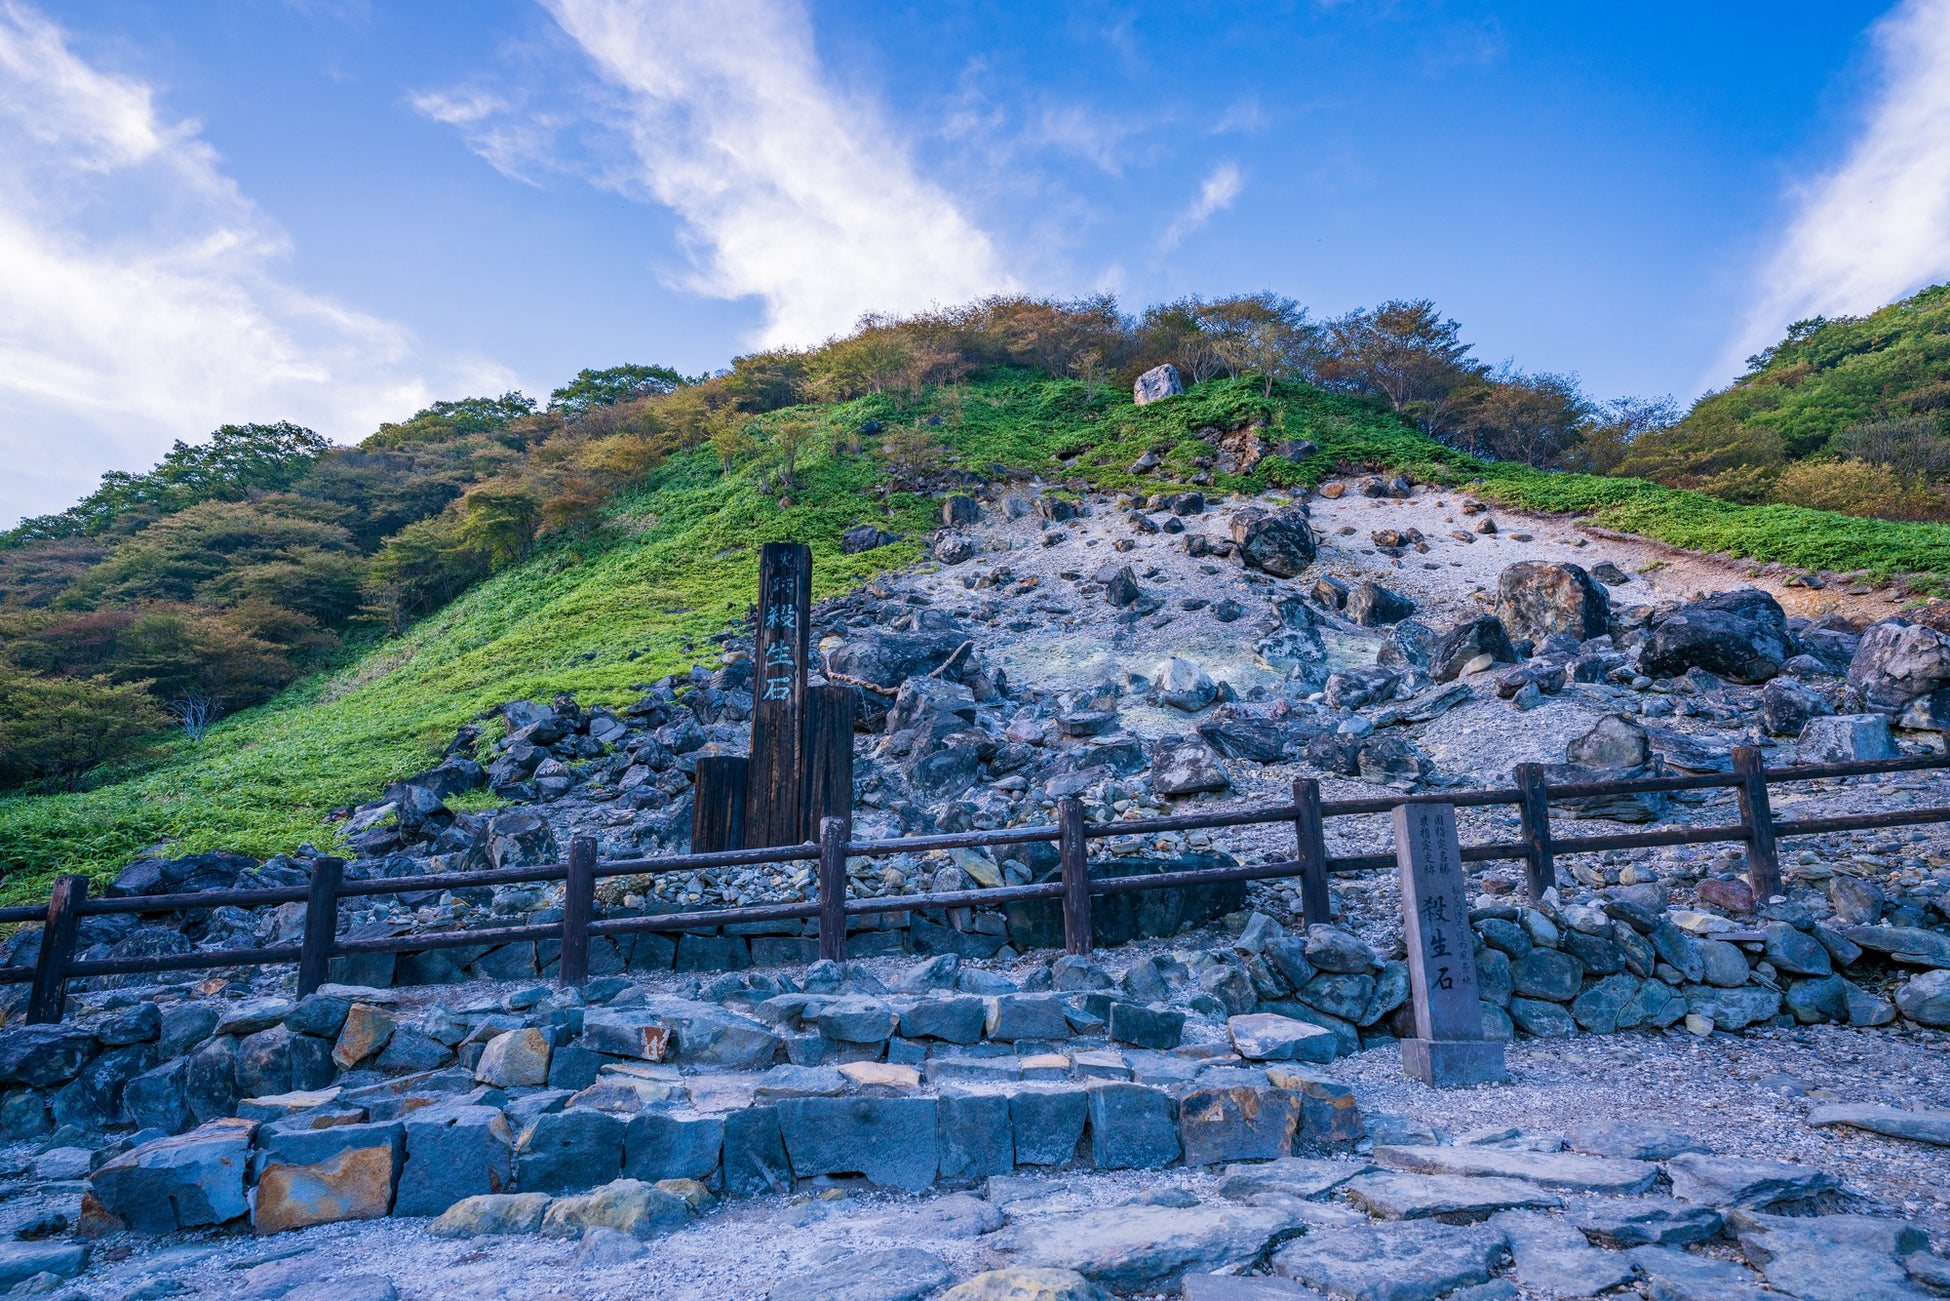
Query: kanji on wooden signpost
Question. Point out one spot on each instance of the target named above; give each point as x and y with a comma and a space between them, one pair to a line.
775, 793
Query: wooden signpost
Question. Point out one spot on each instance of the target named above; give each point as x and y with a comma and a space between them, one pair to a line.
775, 794
1448, 1049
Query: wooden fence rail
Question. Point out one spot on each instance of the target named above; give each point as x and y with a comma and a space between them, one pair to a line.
1758, 830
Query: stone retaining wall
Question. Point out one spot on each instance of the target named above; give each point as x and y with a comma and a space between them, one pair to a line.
425, 1145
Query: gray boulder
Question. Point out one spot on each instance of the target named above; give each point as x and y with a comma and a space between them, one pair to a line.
521, 838
953, 547
1460, 646
1184, 685
1740, 635
1357, 688
1156, 384
1845, 738
1743, 1181
1925, 999
1786, 705
1187, 766
887, 659
40, 1055
864, 537
1898, 663
1280, 543
1371, 605
185, 1182
1614, 741
1536, 599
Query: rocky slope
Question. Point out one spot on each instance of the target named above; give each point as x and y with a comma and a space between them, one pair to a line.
1143, 655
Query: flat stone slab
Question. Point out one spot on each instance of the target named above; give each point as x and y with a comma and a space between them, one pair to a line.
1553, 1256
1568, 1171
1632, 1140
1415, 1261
1146, 1248
956, 1216
1026, 1285
1921, 1126
1743, 1181
1831, 1257
1397, 1196
1293, 1175
1675, 1275
1269, 1037
838, 1274
1647, 1222
20, 1261
1883, 1235
1251, 1287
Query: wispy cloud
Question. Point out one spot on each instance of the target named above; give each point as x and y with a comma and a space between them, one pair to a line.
1221, 187
1244, 116
521, 143
1878, 227
139, 300
790, 191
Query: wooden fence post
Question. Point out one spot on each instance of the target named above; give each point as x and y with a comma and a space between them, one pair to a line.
718, 804
829, 756
833, 835
578, 910
321, 924
1534, 809
1075, 864
49, 998
1763, 861
1310, 837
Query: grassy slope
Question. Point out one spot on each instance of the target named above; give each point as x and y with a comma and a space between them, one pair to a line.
677, 561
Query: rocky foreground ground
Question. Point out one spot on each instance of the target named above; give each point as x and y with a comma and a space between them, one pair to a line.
1711, 1094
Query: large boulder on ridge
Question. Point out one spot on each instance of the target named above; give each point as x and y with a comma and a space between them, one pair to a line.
1537, 598
1156, 384
1740, 635
887, 659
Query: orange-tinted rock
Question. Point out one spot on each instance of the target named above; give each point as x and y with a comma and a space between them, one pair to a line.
354, 1185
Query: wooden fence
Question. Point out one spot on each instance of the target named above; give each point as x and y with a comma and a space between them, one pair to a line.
1758, 829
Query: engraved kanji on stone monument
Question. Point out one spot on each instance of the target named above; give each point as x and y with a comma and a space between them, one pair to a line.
774, 800
1448, 1047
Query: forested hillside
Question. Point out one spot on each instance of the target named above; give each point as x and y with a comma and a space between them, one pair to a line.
1851, 414
263, 627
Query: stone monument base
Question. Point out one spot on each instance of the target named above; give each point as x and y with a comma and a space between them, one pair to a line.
1453, 1063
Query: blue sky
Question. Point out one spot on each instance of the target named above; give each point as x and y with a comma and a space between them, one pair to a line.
332, 211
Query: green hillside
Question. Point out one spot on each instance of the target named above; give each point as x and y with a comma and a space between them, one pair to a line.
1852, 413
674, 560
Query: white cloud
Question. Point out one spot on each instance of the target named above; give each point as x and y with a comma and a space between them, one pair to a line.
1244, 116
139, 300
519, 143
790, 191
1221, 187
1878, 227
458, 108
